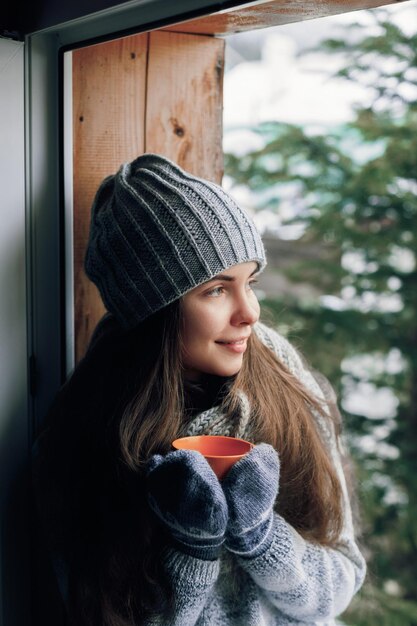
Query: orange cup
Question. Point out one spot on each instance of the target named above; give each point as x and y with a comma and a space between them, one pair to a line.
220, 452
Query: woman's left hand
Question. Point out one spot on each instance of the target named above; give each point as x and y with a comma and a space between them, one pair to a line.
251, 487
185, 494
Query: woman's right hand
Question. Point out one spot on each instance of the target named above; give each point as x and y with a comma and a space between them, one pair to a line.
251, 488
186, 496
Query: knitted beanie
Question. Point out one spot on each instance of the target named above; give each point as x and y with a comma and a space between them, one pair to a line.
157, 232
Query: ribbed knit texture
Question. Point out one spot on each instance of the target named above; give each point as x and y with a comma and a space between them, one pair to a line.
293, 582
157, 232
186, 496
251, 488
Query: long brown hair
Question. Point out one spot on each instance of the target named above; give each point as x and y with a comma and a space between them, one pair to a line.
125, 402
281, 414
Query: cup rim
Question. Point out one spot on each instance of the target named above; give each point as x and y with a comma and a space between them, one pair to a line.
216, 456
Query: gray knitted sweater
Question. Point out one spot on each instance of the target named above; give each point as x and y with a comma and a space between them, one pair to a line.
294, 582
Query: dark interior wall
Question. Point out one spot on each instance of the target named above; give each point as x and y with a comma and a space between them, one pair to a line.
20, 17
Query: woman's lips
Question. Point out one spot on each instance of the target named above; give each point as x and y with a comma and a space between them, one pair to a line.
237, 346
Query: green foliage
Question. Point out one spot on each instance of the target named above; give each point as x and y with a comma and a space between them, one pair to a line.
355, 188
373, 607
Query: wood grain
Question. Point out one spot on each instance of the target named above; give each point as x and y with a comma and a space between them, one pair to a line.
158, 92
185, 101
263, 14
109, 88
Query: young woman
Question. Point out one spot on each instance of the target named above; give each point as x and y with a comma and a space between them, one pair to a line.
142, 534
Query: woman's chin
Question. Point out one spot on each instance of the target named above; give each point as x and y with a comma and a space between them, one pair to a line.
227, 371
222, 371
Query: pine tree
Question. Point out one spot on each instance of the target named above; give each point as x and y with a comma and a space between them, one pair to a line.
358, 189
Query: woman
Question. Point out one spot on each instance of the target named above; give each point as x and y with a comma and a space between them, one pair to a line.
142, 534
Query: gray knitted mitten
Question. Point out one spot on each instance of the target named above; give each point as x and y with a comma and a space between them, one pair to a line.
251, 487
185, 494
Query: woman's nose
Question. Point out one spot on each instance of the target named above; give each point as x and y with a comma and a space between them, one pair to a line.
246, 310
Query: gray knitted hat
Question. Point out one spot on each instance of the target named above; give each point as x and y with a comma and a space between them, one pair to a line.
157, 232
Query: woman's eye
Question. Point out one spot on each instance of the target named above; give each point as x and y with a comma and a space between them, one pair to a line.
217, 291
252, 283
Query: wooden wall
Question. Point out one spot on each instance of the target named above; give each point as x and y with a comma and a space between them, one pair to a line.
154, 92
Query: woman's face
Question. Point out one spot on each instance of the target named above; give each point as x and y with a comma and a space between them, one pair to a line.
218, 318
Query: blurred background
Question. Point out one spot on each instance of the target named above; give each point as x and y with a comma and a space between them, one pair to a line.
320, 142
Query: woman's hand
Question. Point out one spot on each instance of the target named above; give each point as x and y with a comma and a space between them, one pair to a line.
186, 496
251, 487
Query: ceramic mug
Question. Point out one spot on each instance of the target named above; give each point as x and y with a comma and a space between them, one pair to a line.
221, 452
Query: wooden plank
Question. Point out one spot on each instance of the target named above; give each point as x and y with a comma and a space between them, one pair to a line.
185, 100
178, 80
109, 87
263, 14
